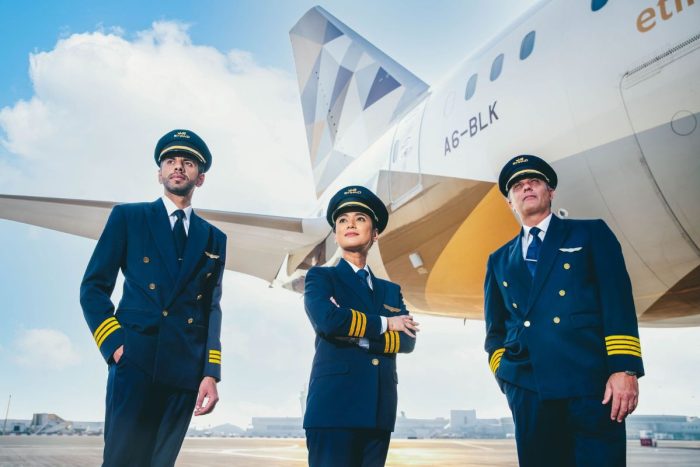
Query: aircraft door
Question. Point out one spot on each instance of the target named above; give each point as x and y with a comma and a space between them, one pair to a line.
662, 99
405, 180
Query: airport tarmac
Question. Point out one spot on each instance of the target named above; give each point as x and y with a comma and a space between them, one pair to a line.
53, 451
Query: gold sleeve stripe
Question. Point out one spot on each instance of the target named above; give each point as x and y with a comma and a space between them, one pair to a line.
497, 353
217, 362
631, 344
496, 359
621, 347
215, 352
353, 324
622, 341
107, 331
103, 325
618, 336
386, 340
362, 326
635, 353
392, 338
397, 338
496, 364
625, 352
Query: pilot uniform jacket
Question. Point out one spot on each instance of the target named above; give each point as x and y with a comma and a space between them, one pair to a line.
169, 318
350, 386
563, 332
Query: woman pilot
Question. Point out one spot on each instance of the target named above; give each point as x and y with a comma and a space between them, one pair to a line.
361, 323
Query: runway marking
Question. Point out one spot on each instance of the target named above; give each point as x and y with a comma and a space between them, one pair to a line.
252, 452
473, 445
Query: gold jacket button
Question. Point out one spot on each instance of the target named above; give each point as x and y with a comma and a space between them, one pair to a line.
152, 286
515, 305
165, 312
190, 321
526, 324
146, 259
567, 266
556, 320
199, 297
208, 275
505, 284
562, 293
375, 361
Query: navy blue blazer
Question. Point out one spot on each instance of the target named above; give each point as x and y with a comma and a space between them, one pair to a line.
563, 332
169, 317
352, 387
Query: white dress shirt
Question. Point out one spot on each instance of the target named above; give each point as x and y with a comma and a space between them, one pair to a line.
171, 208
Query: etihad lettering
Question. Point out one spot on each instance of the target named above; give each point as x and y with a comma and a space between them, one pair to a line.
475, 125
647, 18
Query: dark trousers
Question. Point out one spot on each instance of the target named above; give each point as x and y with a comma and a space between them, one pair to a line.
565, 432
346, 447
145, 422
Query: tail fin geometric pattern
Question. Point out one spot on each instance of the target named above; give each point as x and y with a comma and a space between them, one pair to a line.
351, 92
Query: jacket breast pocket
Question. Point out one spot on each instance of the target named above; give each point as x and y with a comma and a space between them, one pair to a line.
330, 368
586, 320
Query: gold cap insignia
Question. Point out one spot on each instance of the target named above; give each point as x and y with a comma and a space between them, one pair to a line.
519, 160
182, 134
352, 191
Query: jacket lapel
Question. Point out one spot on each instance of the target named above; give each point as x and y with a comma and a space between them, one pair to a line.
554, 237
517, 266
197, 237
354, 283
378, 292
162, 233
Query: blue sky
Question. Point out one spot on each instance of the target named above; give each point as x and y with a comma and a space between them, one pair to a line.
79, 130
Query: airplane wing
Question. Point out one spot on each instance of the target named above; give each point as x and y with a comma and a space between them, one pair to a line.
257, 244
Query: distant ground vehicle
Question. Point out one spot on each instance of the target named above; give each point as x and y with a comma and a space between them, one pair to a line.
647, 438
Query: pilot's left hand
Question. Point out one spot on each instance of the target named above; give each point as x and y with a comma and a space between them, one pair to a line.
207, 397
623, 389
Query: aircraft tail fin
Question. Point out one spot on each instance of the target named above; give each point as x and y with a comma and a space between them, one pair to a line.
351, 92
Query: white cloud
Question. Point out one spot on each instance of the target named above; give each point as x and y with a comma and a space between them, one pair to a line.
101, 101
47, 349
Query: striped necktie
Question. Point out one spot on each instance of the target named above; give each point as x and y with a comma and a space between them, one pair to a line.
533, 250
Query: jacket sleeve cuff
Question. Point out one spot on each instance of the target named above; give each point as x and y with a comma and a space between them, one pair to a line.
495, 359
363, 325
109, 337
212, 367
624, 354
388, 343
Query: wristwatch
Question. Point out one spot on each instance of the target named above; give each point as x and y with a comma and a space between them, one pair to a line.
630, 373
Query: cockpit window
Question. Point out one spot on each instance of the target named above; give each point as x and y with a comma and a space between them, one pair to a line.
471, 87
527, 45
496, 67
598, 4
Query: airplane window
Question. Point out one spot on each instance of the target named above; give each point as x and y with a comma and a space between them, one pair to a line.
471, 87
496, 67
598, 4
527, 45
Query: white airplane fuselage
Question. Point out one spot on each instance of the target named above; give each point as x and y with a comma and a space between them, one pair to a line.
610, 98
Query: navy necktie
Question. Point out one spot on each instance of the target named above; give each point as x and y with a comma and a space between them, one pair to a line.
363, 274
179, 234
533, 250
